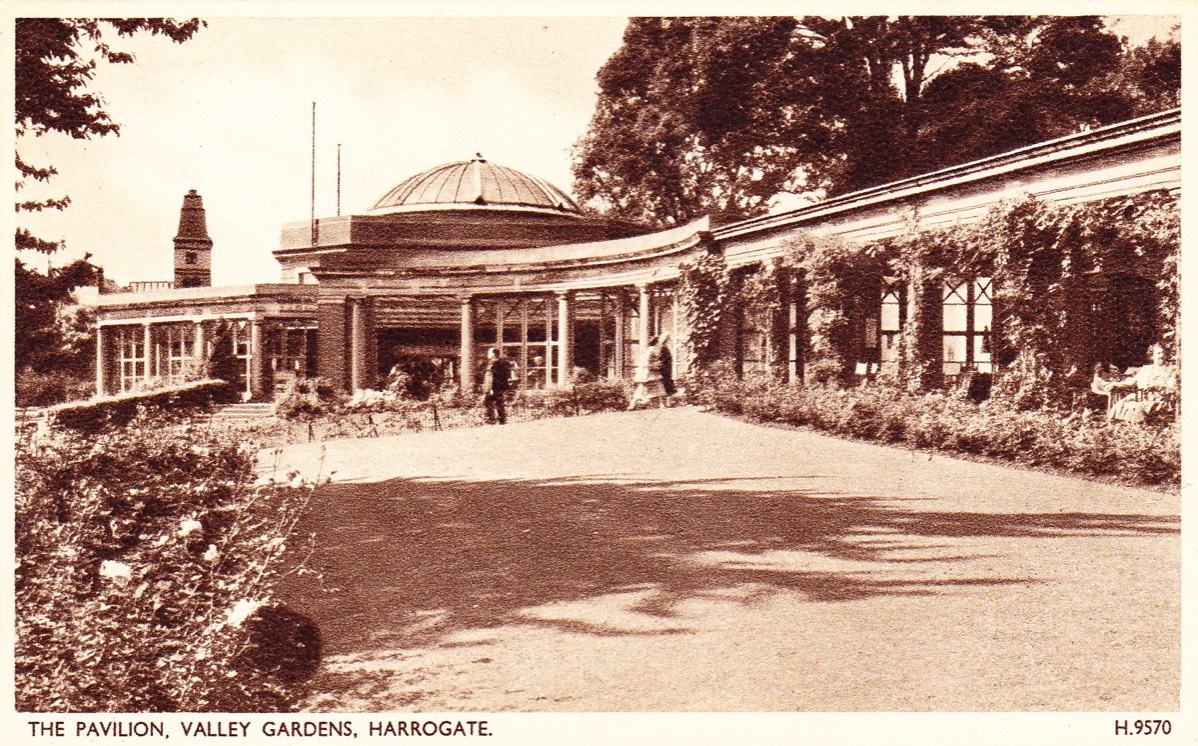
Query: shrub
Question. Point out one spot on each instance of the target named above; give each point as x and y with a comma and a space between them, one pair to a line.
307, 399
179, 401
146, 559
579, 399
997, 429
42, 389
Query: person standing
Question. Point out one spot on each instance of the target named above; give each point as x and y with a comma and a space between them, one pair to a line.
496, 383
665, 361
648, 387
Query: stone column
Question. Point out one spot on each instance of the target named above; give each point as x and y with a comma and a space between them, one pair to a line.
798, 326
620, 341
466, 351
923, 350
781, 318
331, 342
253, 362
565, 338
101, 362
198, 353
148, 349
645, 309
356, 344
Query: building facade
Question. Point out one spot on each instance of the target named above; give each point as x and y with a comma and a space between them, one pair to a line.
472, 254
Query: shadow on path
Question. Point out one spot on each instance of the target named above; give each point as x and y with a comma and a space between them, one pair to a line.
406, 563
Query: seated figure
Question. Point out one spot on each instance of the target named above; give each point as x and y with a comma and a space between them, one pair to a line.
1144, 392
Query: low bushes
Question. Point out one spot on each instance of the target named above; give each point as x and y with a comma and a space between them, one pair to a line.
319, 412
1081, 443
36, 388
116, 411
145, 562
579, 399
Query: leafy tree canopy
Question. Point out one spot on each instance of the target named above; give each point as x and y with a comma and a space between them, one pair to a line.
53, 69
717, 115
55, 61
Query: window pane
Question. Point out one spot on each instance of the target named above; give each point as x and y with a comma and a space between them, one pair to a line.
954, 317
982, 317
890, 317
954, 347
890, 343
980, 345
954, 293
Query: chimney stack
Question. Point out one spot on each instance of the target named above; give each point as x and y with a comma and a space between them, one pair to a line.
193, 247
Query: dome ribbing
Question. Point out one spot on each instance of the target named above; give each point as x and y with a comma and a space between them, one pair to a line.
474, 183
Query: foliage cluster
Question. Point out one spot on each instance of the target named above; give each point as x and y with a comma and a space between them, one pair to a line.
307, 399
35, 388
1074, 286
573, 401
146, 558
717, 116
114, 411
703, 290
1080, 443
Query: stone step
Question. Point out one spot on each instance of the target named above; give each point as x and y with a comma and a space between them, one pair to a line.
245, 412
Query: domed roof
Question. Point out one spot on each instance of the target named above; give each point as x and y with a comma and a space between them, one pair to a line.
472, 184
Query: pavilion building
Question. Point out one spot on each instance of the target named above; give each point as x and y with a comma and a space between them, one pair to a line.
472, 254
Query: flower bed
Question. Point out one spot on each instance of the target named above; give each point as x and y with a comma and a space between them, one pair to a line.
146, 558
307, 412
1080, 443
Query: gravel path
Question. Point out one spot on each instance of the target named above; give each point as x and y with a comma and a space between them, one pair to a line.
673, 560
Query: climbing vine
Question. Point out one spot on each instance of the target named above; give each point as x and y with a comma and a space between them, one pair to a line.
1074, 286
703, 292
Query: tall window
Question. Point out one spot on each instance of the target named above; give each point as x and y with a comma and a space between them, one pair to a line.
968, 316
894, 313
131, 356
289, 350
174, 355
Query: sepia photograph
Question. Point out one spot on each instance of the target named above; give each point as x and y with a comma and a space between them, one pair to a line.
429, 370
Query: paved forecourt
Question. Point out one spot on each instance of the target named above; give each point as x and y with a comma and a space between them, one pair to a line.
673, 560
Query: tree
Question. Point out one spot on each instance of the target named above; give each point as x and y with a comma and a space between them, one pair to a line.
53, 69
40, 342
718, 115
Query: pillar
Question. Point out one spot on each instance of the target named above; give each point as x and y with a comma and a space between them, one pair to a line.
619, 363
101, 362
466, 351
522, 304
798, 325
565, 338
253, 361
644, 309
148, 351
331, 343
923, 346
198, 353
356, 344
781, 338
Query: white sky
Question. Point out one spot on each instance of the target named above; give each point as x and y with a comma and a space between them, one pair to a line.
229, 115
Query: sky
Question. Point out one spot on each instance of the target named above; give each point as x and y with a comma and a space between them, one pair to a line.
229, 114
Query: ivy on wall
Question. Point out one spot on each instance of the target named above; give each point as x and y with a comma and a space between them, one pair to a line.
1075, 286
703, 294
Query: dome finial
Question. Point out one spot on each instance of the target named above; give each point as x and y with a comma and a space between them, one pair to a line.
479, 157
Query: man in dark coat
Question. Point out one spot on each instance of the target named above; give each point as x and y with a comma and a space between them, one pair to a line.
666, 369
496, 383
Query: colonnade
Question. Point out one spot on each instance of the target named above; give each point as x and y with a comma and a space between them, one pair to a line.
134, 354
